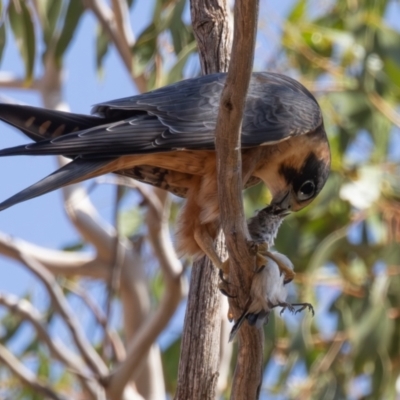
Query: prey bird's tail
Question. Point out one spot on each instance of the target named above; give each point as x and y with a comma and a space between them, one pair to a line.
237, 325
74, 172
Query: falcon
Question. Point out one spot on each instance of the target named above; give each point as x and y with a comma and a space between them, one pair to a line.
166, 137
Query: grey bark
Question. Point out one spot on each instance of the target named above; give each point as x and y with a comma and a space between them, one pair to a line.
200, 350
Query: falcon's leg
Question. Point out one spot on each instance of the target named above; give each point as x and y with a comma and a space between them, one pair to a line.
206, 244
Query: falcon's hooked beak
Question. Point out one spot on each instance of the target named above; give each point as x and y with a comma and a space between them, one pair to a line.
283, 203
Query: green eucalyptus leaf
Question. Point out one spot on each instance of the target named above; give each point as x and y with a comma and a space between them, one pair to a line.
102, 46
72, 17
129, 221
170, 361
391, 254
52, 14
388, 43
44, 366
75, 246
179, 31
22, 26
157, 286
298, 12
10, 325
145, 49
2, 39
176, 72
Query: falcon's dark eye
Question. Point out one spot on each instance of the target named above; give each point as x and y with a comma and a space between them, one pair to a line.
306, 190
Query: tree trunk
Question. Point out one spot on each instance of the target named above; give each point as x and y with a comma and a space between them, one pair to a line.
200, 350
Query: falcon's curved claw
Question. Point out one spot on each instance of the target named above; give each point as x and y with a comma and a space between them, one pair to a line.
224, 271
225, 293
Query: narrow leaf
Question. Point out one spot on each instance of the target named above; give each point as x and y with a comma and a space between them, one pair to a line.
176, 72
102, 46
21, 20
72, 17
2, 39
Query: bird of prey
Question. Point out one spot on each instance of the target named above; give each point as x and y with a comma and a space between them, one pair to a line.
273, 271
166, 138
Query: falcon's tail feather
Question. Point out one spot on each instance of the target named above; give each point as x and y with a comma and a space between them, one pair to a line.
40, 123
74, 172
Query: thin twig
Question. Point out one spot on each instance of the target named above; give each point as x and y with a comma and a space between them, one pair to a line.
87, 351
149, 331
88, 222
26, 376
385, 108
58, 262
115, 268
133, 290
9, 80
145, 190
113, 337
121, 13
25, 310
317, 340
322, 366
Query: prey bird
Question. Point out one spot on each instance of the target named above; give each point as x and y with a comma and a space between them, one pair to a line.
167, 138
273, 271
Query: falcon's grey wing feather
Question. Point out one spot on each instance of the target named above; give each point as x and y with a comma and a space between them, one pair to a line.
183, 116
180, 116
74, 172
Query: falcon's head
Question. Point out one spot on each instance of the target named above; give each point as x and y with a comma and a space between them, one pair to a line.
298, 185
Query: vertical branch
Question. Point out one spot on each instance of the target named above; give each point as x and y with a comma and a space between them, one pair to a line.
248, 373
213, 31
199, 359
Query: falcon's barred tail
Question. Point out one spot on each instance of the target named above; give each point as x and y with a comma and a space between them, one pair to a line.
39, 123
74, 172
